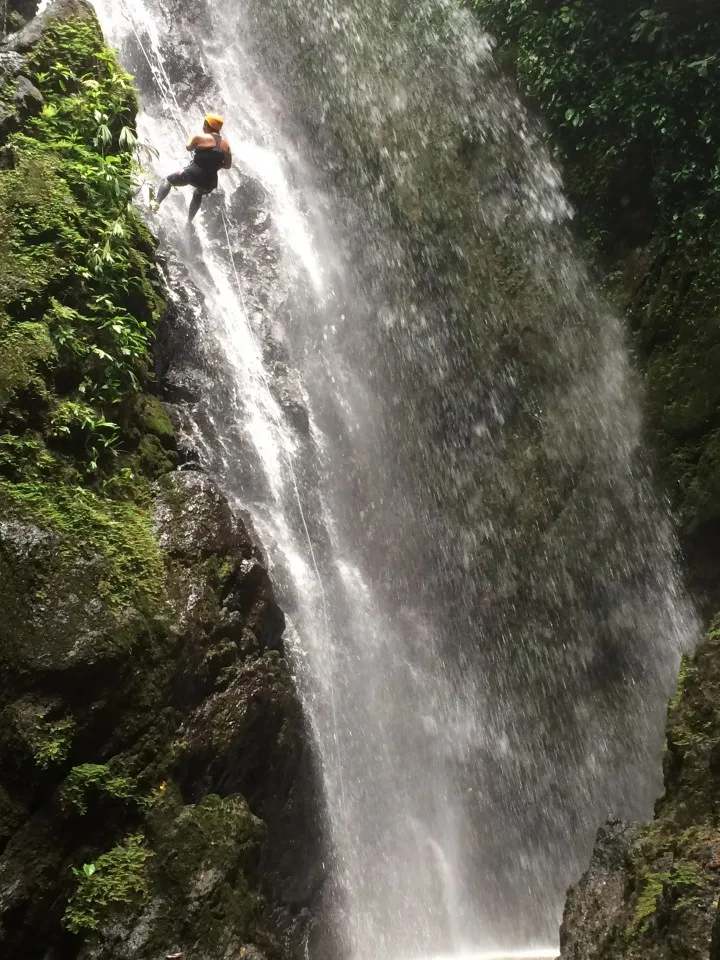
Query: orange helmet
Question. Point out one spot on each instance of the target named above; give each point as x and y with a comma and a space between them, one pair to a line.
215, 122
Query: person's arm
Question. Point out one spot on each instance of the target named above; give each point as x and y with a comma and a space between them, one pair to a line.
192, 144
228, 156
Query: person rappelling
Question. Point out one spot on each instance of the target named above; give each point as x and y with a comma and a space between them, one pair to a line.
211, 153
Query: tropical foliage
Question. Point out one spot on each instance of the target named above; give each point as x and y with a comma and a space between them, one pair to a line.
76, 301
629, 94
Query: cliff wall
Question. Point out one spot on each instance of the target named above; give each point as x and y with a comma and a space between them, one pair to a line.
155, 788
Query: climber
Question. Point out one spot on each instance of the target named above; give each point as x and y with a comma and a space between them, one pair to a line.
210, 154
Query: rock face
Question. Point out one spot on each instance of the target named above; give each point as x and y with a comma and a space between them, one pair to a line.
599, 894
148, 723
26, 99
651, 892
16, 14
155, 782
57, 12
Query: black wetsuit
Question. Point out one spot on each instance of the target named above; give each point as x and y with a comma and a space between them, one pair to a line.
202, 174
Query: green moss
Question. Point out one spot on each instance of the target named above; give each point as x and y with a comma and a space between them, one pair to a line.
152, 459
683, 674
25, 457
686, 873
151, 418
26, 352
50, 741
660, 839
132, 570
92, 778
112, 884
105, 677
206, 857
78, 293
685, 877
652, 888
35, 203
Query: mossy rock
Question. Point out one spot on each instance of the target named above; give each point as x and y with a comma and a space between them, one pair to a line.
26, 354
99, 753
84, 576
150, 416
185, 886
206, 853
651, 892
32, 194
88, 780
110, 886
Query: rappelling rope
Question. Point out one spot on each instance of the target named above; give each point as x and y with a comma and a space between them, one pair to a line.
266, 383
298, 500
158, 71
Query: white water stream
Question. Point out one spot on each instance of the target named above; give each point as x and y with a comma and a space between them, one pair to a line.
472, 732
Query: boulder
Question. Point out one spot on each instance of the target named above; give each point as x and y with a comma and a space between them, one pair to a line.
192, 695
599, 895
27, 98
652, 890
26, 38
249, 198
192, 518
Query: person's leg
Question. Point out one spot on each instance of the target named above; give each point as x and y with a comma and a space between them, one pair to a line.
197, 199
163, 190
174, 180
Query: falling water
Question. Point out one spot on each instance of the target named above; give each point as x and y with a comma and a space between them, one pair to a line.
431, 419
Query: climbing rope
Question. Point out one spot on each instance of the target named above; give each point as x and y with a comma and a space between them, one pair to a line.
266, 383
163, 81
301, 511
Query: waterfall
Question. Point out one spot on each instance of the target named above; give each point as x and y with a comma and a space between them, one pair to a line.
432, 420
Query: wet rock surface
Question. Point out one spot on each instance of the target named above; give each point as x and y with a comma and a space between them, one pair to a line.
191, 703
25, 39
191, 369
184, 62
249, 696
20, 99
599, 895
651, 891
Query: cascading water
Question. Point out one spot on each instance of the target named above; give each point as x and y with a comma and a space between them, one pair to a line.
486, 615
